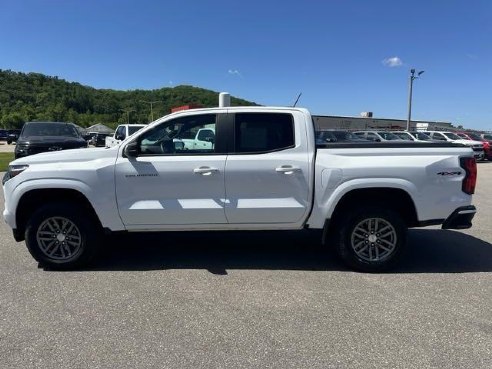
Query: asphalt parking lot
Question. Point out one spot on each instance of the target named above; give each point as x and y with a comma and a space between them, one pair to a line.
253, 300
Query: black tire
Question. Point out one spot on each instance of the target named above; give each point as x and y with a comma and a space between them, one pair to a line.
368, 251
79, 245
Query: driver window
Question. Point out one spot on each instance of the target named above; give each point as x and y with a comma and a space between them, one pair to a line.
188, 135
120, 133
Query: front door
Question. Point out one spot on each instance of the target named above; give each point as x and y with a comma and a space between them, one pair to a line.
167, 184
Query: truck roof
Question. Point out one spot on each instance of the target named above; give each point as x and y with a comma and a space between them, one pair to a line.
241, 108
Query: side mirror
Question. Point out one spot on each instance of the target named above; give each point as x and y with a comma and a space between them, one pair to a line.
131, 150
210, 139
377, 140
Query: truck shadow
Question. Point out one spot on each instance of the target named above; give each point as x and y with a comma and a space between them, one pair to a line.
429, 251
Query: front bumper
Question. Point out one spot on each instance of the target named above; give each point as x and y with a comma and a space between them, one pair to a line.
460, 218
478, 153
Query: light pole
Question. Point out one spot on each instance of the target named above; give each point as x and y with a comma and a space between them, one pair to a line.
151, 107
410, 87
127, 111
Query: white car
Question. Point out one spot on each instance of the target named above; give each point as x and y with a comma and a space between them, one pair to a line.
413, 136
377, 136
263, 171
477, 146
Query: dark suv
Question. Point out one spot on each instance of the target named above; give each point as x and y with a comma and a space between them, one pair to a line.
39, 137
13, 135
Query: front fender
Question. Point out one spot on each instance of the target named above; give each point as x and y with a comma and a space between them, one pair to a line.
102, 200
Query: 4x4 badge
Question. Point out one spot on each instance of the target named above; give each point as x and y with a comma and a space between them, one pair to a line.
449, 173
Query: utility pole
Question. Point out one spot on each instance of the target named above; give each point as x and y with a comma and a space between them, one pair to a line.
151, 103
410, 88
127, 111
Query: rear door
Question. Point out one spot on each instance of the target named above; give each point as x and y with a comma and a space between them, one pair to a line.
267, 170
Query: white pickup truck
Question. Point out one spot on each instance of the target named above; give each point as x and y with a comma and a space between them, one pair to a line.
264, 172
122, 132
204, 139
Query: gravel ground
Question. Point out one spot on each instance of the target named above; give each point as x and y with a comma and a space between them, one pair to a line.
4, 147
253, 300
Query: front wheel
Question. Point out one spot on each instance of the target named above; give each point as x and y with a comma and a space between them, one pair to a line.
59, 236
371, 239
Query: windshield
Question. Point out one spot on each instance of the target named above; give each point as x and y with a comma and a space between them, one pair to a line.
421, 136
345, 136
474, 136
404, 136
336, 136
388, 136
452, 136
325, 136
49, 129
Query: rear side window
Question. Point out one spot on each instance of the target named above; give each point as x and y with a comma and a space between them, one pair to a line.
263, 132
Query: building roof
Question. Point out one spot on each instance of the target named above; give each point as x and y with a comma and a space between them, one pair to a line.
99, 128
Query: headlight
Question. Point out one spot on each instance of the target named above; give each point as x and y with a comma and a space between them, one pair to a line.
13, 171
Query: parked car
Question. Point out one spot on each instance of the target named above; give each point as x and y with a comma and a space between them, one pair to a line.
37, 137
413, 136
487, 149
476, 146
13, 135
3, 135
88, 136
325, 136
264, 172
99, 139
378, 136
487, 136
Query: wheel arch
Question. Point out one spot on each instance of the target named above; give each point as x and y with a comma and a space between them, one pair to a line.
31, 200
392, 198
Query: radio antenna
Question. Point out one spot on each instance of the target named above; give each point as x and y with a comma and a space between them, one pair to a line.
298, 97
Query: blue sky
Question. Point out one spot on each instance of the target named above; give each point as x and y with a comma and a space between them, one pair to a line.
269, 51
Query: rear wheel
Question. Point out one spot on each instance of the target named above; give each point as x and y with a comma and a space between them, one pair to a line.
371, 239
60, 236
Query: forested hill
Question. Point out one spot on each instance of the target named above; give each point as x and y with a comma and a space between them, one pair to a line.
33, 96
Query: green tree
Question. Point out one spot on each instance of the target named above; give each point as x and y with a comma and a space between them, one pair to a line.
13, 121
35, 96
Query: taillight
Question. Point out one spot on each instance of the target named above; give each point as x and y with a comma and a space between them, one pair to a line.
470, 180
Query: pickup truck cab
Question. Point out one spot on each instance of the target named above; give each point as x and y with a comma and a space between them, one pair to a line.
122, 132
263, 172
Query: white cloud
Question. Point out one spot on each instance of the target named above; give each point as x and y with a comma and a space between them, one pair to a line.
234, 72
472, 56
392, 62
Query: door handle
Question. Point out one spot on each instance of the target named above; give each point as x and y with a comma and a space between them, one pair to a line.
287, 169
205, 171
